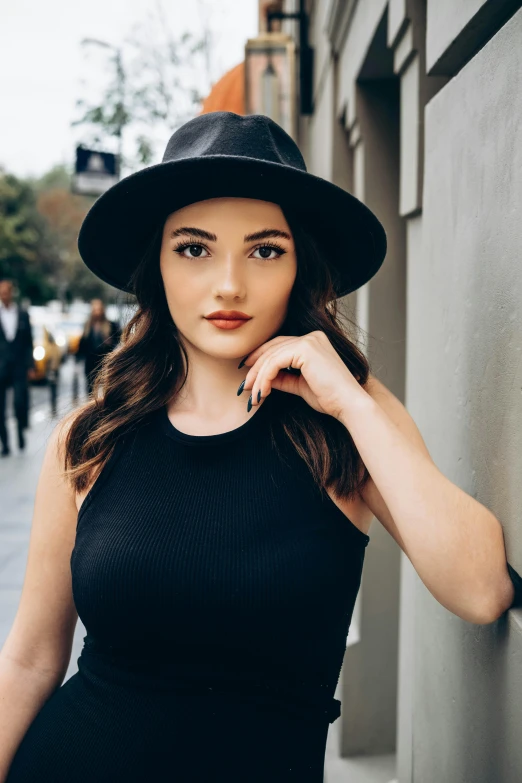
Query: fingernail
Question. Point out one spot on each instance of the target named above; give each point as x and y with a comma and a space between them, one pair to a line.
241, 363
241, 387
259, 395
249, 405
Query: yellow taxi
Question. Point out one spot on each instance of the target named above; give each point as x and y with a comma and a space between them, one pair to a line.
46, 353
68, 333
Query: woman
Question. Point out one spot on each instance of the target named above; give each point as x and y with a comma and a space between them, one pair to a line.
100, 336
219, 543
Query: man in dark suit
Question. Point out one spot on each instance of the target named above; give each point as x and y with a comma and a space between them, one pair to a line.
16, 363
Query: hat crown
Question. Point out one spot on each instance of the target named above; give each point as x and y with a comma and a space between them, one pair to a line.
253, 136
223, 154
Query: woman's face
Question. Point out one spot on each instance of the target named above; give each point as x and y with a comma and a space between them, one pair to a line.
210, 260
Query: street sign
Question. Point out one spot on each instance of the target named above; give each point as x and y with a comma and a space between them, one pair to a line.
95, 172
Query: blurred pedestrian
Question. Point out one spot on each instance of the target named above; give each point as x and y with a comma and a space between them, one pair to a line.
53, 371
100, 336
17, 365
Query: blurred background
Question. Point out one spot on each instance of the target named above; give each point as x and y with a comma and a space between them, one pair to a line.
115, 79
88, 96
414, 106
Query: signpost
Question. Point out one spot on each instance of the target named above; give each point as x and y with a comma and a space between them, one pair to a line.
94, 172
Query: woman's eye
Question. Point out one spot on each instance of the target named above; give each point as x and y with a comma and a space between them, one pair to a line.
267, 249
191, 247
196, 251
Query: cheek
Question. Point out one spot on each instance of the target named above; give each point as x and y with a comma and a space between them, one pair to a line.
273, 295
183, 298
184, 303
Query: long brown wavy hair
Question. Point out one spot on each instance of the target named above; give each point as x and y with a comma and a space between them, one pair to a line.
146, 370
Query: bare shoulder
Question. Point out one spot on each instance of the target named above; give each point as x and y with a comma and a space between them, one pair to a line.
57, 441
59, 434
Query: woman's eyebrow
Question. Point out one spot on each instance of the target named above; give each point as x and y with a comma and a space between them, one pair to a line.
266, 233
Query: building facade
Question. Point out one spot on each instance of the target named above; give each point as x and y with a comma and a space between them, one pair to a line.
417, 110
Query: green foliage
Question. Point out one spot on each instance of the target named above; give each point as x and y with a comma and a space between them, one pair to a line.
58, 176
39, 224
25, 249
154, 85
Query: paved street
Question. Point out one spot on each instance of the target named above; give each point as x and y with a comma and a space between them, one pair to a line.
18, 478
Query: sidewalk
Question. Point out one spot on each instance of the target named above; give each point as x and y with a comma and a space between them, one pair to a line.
358, 769
18, 479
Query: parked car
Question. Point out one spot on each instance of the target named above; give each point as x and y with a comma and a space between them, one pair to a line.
46, 353
67, 334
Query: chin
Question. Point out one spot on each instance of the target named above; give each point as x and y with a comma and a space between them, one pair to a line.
234, 347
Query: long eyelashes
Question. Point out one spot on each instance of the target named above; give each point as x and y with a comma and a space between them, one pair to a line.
183, 246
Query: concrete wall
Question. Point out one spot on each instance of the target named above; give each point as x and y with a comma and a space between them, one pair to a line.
464, 391
453, 272
357, 147
457, 30
446, 22
409, 578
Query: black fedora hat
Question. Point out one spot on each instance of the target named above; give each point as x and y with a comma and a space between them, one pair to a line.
226, 154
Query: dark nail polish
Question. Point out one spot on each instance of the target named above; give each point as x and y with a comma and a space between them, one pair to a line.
249, 406
241, 363
259, 395
241, 387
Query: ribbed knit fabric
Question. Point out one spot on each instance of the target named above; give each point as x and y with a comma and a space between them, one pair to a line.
216, 582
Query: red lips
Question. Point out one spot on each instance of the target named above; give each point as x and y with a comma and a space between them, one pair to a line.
229, 315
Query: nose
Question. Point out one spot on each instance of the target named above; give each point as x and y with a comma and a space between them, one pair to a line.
230, 283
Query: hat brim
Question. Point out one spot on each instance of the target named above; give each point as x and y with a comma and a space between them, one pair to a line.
119, 225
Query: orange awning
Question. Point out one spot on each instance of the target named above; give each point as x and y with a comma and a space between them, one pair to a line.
227, 94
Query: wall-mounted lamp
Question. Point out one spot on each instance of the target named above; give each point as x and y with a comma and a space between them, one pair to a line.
270, 80
270, 73
306, 55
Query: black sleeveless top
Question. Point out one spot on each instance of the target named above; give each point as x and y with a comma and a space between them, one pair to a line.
216, 583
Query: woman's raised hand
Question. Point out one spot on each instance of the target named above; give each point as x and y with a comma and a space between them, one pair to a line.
323, 381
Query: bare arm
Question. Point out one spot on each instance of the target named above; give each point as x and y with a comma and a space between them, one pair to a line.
36, 653
23, 693
455, 544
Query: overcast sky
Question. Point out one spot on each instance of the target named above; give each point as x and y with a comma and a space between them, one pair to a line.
42, 64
